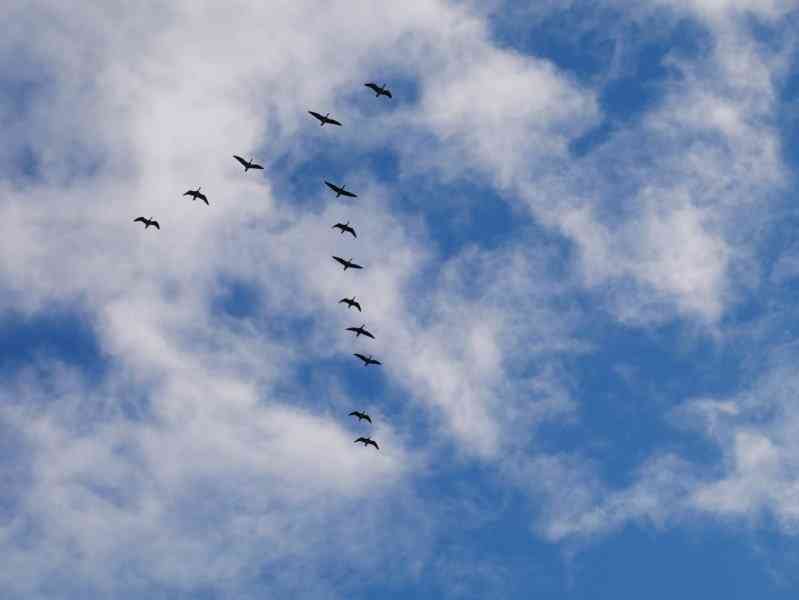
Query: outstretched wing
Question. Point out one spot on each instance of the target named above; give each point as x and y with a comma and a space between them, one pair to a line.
316, 115
337, 226
361, 356
157, 226
333, 187
255, 166
373, 443
332, 122
354, 413
354, 266
361, 439
340, 260
352, 231
352, 329
375, 362
367, 334
367, 417
243, 162
344, 300
349, 194
372, 86
140, 220
387, 93
358, 306
189, 193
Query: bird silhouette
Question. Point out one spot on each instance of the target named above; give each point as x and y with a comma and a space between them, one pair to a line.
359, 331
323, 118
350, 302
367, 442
378, 90
340, 191
147, 222
362, 416
196, 195
247, 164
348, 264
345, 228
367, 360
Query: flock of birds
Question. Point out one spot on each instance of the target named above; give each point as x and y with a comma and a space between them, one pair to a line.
347, 263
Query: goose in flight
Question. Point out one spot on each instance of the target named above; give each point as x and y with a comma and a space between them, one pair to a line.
323, 118
247, 164
350, 302
379, 90
197, 195
362, 416
147, 222
348, 264
367, 442
359, 331
340, 191
367, 360
345, 228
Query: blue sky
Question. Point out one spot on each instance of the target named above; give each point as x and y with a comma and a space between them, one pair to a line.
577, 226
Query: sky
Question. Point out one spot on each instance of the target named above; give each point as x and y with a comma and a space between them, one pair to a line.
578, 230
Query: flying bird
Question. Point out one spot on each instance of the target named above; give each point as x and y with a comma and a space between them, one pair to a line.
323, 118
359, 331
340, 191
362, 416
147, 222
247, 164
196, 195
379, 90
345, 228
350, 302
348, 264
367, 442
367, 360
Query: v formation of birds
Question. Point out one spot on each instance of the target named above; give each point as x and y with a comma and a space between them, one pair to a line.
343, 228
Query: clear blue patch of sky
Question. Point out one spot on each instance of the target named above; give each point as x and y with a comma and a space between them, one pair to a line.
627, 388
623, 60
56, 332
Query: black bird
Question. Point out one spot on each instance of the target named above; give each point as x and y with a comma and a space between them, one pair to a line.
323, 118
350, 302
378, 90
362, 416
196, 195
147, 222
348, 264
367, 442
247, 164
340, 191
359, 331
367, 360
345, 227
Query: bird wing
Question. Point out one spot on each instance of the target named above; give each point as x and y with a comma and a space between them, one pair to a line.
346, 300
333, 186
340, 260
358, 306
371, 85
157, 226
367, 334
333, 121
316, 115
361, 356
376, 362
367, 417
140, 220
354, 413
346, 193
337, 226
203, 197
352, 231
355, 266
353, 329
388, 93
360, 439
189, 193
243, 162
256, 166
374, 443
